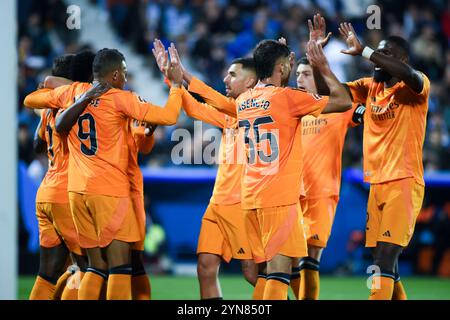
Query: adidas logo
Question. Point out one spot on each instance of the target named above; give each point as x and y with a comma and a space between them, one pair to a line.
315, 237
387, 234
241, 251
381, 206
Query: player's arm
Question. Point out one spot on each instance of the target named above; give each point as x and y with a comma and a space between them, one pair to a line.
67, 118
202, 111
398, 69
339, 98
45, 98
140, 110
211, 96
39, 143
53, 82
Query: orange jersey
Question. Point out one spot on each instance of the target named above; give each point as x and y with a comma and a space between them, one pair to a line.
227, 188
269, 119
53, 188
323, 141
394, 129
137, 142
98, 142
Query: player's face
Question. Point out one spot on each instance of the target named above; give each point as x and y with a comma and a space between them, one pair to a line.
305, 78
379, 74
120, 76
237, 80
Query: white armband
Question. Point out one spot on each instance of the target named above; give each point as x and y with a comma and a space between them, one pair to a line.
367, 52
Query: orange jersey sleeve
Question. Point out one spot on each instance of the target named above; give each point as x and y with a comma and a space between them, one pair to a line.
359, 89
213, 98
137, 108
202, 111
41, 132
47, 98
303, 103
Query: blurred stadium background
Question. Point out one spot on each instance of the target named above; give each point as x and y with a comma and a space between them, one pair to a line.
209, 34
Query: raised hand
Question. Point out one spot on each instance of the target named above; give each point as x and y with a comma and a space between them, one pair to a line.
161, 56
355, 48
97, 90
174, 71
318, 29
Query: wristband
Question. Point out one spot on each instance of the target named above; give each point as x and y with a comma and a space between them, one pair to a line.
367, 52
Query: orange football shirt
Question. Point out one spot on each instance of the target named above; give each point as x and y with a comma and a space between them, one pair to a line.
53, 187
227, 187
394, 129
137, 142
269, 120
322, 142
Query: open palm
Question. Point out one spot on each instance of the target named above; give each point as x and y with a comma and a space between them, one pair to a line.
347, 32
317, 30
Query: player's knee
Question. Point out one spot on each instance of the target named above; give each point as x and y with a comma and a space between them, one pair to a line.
81, 261
118, 253
250, 271
52, 261
96, 259
315, 252
137, 262
207, 266
386, 255
280, 263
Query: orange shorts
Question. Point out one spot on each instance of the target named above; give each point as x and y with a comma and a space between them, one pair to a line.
223, 232
101, 219
56, 225
392, 210
276, 230
319, 216
137, 200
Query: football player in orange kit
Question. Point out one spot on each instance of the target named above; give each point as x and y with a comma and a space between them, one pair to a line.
57, 231
222, 234
98, 182
140, 140
322, 142
396, 99
270, 118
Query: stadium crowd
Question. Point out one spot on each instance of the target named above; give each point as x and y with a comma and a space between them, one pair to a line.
211, 33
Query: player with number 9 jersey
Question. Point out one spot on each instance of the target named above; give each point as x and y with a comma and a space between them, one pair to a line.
98, 154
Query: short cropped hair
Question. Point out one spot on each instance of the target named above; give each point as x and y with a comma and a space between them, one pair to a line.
266, 54
247, 63
82, 66
62, 66
107, 60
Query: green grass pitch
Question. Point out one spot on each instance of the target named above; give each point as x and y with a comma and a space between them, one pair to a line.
236, 288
